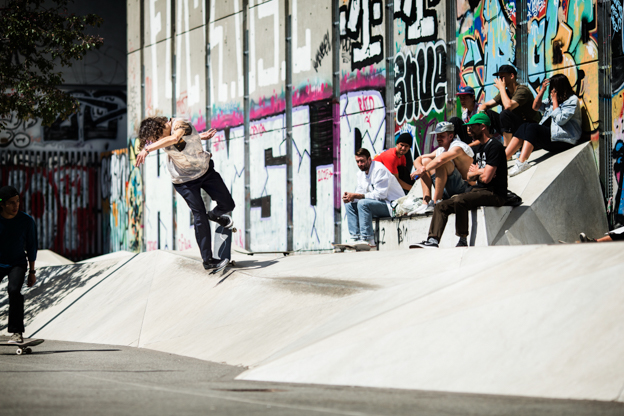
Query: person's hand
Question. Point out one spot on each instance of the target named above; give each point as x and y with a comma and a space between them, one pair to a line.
347, 197
499, 83
418, 172
31, 279
553, 98
473, 167
207, 135
140, 159
545, 84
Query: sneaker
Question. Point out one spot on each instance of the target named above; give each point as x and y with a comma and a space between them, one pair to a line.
16, 338
216, 264
425, 208
370, 242
585, 239
519, 167
430, 243
463, 242
224, 220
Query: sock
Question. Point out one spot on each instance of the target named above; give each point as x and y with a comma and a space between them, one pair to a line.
433, 240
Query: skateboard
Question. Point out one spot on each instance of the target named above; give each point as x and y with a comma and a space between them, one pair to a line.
251, 253
223, 246
357, 247
24, 347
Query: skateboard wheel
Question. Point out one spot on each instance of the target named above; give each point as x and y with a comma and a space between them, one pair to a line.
19, 351
28, 350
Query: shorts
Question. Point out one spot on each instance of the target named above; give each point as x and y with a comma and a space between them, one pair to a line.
455, 184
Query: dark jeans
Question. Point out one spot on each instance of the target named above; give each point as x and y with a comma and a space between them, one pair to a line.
460, 205
539, 136
462, 131
17, 275
212, 183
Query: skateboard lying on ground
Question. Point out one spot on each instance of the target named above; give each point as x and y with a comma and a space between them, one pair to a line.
251, 253
24, 347
357, 247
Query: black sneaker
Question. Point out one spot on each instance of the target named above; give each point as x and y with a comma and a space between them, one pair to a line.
16, 338
462, 243
585, 239
224, 220
216, 265
431, 243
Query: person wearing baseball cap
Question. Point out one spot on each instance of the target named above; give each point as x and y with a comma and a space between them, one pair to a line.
516, 100
489, 170
447, 167
18, 241
396, 160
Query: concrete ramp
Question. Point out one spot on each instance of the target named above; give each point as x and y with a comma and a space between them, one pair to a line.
532, 320
561, 197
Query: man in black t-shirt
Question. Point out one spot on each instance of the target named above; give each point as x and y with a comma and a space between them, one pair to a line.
489, 171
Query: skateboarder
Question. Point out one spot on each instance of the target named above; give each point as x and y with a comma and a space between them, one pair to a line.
191, 170
17, 233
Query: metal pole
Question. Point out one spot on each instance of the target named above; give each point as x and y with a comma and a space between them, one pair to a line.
605, 93
289, 164
522, 42
336, 119
451, 57
246, 125
142, 244
390, 73
207, 37
174, 111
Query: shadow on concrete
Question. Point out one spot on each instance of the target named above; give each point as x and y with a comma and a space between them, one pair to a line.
54, 283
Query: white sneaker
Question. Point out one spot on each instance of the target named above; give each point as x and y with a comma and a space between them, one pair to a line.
519, 167
425, 207
370, 242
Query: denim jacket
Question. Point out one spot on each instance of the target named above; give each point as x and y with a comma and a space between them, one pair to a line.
566, 120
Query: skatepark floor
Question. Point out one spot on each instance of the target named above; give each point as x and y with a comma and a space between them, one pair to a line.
68, 378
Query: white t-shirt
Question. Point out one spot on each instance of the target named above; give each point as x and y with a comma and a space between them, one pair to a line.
456, 142
192, 161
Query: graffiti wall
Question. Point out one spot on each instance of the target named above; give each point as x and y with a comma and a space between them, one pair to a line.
60, 191
192, 65
617, 71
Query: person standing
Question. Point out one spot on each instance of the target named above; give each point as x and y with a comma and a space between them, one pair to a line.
192, 170
18, 249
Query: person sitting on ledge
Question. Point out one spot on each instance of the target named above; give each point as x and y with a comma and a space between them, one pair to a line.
516, 101
469, 108
375, 191
615, 235
395, 160
560, 127
489, 171
449, 164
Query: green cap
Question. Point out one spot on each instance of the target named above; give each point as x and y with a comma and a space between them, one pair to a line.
479, 118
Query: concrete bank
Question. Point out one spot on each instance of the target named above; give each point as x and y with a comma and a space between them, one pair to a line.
534, 320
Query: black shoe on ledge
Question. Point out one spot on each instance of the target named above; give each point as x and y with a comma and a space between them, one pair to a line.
216, 265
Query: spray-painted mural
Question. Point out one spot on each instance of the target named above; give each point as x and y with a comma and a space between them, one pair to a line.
617, 71
209, 70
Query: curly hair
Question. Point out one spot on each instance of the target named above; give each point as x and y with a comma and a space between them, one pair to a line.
151, 130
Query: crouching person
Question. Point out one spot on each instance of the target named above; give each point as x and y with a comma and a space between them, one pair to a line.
489, 170
376, 189
447, 167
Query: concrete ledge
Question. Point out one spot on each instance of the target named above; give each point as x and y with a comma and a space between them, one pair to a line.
561, 197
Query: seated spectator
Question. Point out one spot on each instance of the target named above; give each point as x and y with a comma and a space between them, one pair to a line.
375, 191
560, 128
469, 108
395, 160
489, 170
516, 100
447, 167
615, 235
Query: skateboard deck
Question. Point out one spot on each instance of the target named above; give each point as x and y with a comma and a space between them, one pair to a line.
251, 253
24, 347
357, 247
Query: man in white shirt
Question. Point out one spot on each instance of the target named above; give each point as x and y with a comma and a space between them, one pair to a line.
447, 166
376, 189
